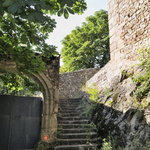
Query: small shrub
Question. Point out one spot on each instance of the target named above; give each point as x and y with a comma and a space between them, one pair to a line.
143, 81
93, 92
107, 145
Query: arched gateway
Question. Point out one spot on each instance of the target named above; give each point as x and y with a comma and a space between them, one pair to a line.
49, 80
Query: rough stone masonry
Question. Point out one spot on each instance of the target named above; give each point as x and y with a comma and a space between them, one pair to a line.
129, 27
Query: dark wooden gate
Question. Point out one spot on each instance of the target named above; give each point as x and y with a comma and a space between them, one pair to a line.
20, 122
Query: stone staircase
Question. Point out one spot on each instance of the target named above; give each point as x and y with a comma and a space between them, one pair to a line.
75, 132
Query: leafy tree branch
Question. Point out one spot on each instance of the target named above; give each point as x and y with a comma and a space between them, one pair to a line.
87, 46
24, 27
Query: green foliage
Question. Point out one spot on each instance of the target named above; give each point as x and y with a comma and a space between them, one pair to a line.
143, 81
72, 7
93, 92
87, 46
144, 57
107, 91
40, 147
107, 145
17, 84
24, 27
35, 10
21, 39
142, 104
125, 74
93, 96
63, 69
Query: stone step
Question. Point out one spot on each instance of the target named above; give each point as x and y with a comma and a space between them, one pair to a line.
74, 99
88, 135
77, 147
73, 121
72, 141
69, 108
70, 114
76, 141
69, 111
70, 126
71, 118
69, 102
75, 130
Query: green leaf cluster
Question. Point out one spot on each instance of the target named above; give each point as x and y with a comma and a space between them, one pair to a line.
35, 10
93, 93
25, 26
107, 144
17, 84
21, 39
71, 7
87, 46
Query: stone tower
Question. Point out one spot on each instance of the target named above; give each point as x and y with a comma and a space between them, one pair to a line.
129, 25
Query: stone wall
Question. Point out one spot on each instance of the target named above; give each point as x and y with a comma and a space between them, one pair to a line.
129, 29
129, 25
118, 113
129, 130
110, 74
71, 83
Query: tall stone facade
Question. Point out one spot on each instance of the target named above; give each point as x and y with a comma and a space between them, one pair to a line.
129, 25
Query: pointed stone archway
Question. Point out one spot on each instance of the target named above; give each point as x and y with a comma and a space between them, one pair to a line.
49, 80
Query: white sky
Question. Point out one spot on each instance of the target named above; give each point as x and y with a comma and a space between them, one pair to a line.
65, 26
